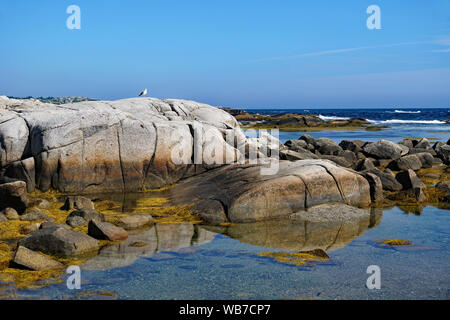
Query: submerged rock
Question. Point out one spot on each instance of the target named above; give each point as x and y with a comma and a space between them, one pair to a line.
34, 260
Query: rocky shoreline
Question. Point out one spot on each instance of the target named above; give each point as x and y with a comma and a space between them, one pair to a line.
298, 122
55, 159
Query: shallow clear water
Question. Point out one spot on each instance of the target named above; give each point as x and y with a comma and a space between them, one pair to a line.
194, 262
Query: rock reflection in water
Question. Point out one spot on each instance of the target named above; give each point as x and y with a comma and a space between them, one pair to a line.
303, 234
322, 229
145, 243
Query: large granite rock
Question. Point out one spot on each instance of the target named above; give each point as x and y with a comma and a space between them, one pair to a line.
384, 149
242, 194
388, 180
103, 146
411, 161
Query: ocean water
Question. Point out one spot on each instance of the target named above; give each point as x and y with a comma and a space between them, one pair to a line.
418, 123
199, 262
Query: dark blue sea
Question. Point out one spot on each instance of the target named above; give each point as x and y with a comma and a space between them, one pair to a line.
400, 123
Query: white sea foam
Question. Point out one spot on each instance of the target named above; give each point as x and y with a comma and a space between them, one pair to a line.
327, 118
404, 111
397, 121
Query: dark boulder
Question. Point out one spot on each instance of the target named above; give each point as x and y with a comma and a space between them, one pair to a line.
352, 145
422, 150
410, 181
106, 231
387, 180
14, 195
86, 214
77, 203
407, 142
423, 144
407, 162
364, 164
338, 160
300, 154
308, 139
61, 242
296, 145
426, 159
384, 149
35, 215
376, 187
23, 170
328, 147
443, 152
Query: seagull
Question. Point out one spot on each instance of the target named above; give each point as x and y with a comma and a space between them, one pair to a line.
143, 93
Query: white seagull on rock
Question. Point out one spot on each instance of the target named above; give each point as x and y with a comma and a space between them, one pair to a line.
143, 93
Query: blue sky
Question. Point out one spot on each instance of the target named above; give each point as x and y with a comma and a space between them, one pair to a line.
243, 53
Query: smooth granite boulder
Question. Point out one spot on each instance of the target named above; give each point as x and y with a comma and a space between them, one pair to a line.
60, 241
243, 194
110, 146
384, 149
